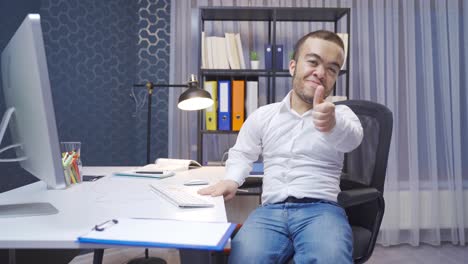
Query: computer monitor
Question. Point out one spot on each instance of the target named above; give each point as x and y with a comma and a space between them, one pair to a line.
30, 113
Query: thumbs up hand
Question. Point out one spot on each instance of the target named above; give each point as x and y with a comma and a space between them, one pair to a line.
324, 112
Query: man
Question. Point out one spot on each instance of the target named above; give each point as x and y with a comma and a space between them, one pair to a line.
302, 140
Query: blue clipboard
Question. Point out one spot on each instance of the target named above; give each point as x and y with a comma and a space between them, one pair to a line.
162, 233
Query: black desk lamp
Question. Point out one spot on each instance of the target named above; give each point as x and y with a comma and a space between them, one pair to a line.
192, 99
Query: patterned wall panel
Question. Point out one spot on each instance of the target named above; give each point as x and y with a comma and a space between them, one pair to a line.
153, 66
90, 51
96, 51
94, 59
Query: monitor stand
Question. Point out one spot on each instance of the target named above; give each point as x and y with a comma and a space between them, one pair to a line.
3, 126
5, 120
26, 209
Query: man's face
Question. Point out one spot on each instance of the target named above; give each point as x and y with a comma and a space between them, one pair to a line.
318, 63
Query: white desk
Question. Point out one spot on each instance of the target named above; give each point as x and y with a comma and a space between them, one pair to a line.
86, 204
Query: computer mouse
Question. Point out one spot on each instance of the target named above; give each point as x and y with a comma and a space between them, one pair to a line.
196, 182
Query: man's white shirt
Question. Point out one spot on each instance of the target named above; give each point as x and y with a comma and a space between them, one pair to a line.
299, 160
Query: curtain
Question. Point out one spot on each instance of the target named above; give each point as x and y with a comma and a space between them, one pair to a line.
408, 55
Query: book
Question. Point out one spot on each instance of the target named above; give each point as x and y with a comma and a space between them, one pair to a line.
219, 53
161, 168
240, 51
166, 233
174, 164
231, 48
204, 57
209, 52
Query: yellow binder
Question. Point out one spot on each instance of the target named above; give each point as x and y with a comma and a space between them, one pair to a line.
238, 99
211, 112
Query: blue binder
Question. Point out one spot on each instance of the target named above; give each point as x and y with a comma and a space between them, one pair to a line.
268, 57
224, 109
269, 53
279, 57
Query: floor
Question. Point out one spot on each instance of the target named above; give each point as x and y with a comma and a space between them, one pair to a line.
425, 254
124, 255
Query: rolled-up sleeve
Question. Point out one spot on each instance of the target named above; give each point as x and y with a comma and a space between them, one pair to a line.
246, 150
347, 133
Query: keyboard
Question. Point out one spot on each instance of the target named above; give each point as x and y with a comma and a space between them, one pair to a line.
179, 196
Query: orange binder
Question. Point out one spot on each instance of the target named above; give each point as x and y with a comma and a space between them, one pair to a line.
238, 99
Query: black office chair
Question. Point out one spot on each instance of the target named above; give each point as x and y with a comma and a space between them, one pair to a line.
363, 178
364, 170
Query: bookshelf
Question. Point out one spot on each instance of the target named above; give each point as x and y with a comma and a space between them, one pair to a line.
272, 16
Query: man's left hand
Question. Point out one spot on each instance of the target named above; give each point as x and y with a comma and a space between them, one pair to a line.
324, 112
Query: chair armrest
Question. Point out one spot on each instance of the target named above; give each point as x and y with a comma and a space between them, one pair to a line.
357, 196
252, 182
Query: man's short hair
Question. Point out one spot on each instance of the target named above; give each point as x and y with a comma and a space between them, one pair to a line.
320, 34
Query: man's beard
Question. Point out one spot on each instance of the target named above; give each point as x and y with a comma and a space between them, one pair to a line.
306, 99
301, 92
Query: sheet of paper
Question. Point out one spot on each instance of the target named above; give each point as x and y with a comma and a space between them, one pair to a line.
162, 233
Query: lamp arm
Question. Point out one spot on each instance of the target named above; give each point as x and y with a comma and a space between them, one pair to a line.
163, 85
150, 87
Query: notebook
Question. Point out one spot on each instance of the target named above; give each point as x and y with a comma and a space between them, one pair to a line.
161, 168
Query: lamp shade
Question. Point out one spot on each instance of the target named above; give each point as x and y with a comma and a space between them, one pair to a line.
194, 98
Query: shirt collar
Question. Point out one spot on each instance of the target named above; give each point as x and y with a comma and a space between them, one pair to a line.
286, 103
286, 106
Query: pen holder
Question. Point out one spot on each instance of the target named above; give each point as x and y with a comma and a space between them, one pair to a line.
71, 162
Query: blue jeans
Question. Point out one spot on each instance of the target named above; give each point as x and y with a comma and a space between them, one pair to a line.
311, 232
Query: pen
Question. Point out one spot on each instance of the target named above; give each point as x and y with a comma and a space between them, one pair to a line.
150, 172
242, 190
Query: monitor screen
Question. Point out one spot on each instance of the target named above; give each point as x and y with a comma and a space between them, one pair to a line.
28, 99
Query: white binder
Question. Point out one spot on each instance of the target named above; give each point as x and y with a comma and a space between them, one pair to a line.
251, 100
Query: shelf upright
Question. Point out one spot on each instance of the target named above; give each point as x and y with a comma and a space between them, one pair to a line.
271, 15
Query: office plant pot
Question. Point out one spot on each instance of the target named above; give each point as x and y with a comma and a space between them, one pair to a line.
254, 65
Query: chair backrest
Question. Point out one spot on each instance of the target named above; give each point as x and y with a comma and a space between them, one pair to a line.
367, 164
